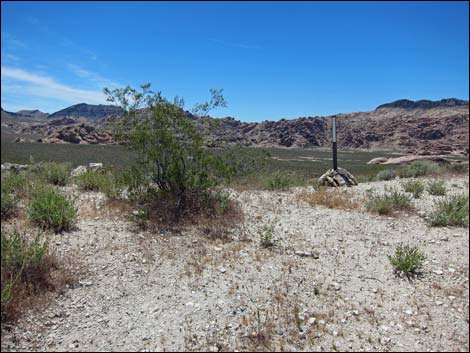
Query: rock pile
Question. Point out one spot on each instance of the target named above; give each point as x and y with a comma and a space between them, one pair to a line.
338, 177
80, 134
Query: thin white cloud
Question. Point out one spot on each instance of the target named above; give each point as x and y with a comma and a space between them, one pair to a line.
10, 57
93, 77
61, 39
9, 41
27, 83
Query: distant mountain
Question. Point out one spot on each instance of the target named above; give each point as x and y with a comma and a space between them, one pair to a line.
425, 127
424, 104
25, 115
87, 111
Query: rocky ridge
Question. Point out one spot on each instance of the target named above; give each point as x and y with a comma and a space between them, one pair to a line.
421, 127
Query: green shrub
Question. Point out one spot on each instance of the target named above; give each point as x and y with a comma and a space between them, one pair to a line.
49, 209
391, 201
141, 217
92, 180
267, 236
418, 169
278, 181
221, 201
450, 212
132, 181
54, 173
457, 167
169, 148
13, 187
8, 203
407, 259
415, 187
386, 174
22, 261
437, 188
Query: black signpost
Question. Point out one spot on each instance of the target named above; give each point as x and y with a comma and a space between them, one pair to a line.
335, 157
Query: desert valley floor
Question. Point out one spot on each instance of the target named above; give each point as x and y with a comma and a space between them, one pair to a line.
326, 285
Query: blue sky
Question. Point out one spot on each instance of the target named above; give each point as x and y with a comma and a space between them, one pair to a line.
273, 59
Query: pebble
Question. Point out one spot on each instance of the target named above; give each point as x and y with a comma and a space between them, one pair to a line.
335, 286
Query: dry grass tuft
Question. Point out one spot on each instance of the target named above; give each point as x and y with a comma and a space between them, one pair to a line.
330, 198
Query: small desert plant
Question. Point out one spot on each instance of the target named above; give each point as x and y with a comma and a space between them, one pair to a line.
54, 173
267, 236
16, 184
418, 169
450, 212
407, 259
95, 181
391, 201
13, 187
50, 209
415, 187
22, 261
278, 181
386, 174
437, 188
221, 201
456, 167
141, 217
8, 203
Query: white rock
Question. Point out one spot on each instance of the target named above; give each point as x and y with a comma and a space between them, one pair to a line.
78, 171
95, 166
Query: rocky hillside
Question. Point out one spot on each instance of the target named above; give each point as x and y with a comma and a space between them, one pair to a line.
87, 111
423, 127
23, 115
424, 104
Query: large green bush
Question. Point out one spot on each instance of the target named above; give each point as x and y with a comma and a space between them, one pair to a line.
50, 209
169, 148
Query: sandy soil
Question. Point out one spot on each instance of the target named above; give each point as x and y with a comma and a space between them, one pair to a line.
326, 285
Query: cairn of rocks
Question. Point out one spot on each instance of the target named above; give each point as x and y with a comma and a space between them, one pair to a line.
338, 177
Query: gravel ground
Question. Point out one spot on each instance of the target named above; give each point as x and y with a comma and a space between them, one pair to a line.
326, 285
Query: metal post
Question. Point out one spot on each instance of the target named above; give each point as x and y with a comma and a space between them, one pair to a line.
335, 157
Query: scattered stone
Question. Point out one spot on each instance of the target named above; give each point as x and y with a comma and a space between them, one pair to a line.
336, 286
338, 177
95, 166
78, 171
